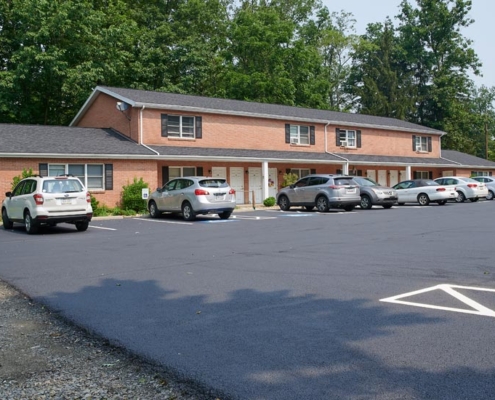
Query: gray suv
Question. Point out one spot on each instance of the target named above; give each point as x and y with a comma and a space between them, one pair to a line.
322, 191
372, 193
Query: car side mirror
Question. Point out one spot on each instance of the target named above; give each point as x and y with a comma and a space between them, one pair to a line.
8, 194
292, 186
159, 190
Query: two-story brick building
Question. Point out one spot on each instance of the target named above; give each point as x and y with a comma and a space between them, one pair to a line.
121, 134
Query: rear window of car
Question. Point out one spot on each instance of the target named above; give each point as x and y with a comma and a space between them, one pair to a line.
213, 183
62, 185
343, 181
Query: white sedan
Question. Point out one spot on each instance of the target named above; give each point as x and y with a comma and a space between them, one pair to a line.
466, 188
424, 191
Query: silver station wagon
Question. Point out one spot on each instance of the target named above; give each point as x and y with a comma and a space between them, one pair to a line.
193, 195
322, 191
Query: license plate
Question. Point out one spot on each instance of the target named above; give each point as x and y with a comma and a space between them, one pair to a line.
220, 198
351, 191
66, 201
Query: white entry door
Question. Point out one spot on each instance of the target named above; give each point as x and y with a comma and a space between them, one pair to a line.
382, 177
402, 176
237, 183
272, 182
394, 177
371, 173
219, 172
255, 184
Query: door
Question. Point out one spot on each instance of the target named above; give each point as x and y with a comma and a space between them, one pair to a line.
394, 177
402, 176
237, 183
255, 184
382, 177
371, 173
272, 182
219, 172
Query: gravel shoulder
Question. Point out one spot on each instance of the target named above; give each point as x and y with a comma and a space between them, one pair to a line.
43, 356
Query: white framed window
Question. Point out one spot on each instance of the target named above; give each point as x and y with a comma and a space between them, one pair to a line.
91, 175
347, 137
422, 144
299, 134
300, 172
421, 175
180, 172
180, 126
480, 173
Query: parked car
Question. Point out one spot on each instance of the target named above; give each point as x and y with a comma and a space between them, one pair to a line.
372, 193
322, 191
424, 191
37, 201
193, 195
466, 188
490, 185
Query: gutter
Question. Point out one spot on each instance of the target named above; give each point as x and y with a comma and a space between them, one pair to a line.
333, 154
141, 131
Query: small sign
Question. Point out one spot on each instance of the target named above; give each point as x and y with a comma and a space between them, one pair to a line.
145, 193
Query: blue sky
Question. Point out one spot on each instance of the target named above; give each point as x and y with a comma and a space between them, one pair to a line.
481, 32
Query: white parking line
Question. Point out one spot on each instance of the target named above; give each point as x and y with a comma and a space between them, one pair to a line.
164, 221
251, 217
101, 227
449, 289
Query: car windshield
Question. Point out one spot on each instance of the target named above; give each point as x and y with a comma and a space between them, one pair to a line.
365, 181
61, 186
213, 183
428, 183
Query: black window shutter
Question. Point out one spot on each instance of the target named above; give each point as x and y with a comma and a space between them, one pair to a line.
414, 142
199, 171
287, 133
164, 125
415, 175
339, 171
337, 137
287, 171
199, 128
359, 172
311, 135
490, 173
165, 176
313, 171
108, 176
430, 174
358, 133
429, 144
43, 169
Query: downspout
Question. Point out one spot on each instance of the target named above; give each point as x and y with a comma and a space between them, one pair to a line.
333, 154
141, 132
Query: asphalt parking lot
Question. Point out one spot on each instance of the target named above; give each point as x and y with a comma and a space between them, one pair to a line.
380, 304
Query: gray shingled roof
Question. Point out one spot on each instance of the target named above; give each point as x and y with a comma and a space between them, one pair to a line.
363, 158
42, 139
466, 159
138, 98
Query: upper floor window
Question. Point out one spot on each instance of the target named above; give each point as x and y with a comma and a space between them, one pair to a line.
299, 134
422, 144
348, 138
181, 126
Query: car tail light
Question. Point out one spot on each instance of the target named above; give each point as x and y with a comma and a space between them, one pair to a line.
472, 185
201, 192
440, 189
38, 199
231, 191
88, 197
336, 187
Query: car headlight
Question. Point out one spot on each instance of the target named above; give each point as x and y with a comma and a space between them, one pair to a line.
378, 191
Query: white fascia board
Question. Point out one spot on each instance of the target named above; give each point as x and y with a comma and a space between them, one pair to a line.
92, 98
80, 156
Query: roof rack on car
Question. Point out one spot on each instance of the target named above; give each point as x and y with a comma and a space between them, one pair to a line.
65, 175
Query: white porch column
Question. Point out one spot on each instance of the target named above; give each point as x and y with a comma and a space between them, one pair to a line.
408, 172
264, 174
345, 168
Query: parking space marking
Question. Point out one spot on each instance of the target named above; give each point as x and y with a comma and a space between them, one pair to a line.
102, 227
164, 221
246, 217
478, 309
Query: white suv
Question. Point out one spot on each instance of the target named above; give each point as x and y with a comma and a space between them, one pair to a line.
47, 200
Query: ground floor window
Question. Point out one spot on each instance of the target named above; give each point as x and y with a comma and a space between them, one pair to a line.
422, 175
300, 172
91, 175
179, 172
480, 173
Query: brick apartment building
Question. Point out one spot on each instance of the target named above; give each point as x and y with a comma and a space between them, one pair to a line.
122, 134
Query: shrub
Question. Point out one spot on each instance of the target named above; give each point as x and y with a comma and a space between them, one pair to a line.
132, 196
269, 202
26, 173
289, 179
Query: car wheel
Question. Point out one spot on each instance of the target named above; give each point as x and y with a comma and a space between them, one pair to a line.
423, 199
387, 206
153, 209
82, 226
7, 223
489, 196
460, 197
309, 208
474, 199
366, 202
188, 212
225, 214
349, 208
284, 203
31, 226
322, 204
441, 202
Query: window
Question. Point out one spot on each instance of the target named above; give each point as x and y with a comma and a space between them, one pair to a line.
300, 172
480, 173
422, 175
179, 172
91, 175
299, 134
422, 144
181, 126
348, 138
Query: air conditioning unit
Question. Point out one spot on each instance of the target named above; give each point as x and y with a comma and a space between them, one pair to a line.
294, 141
343, 144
